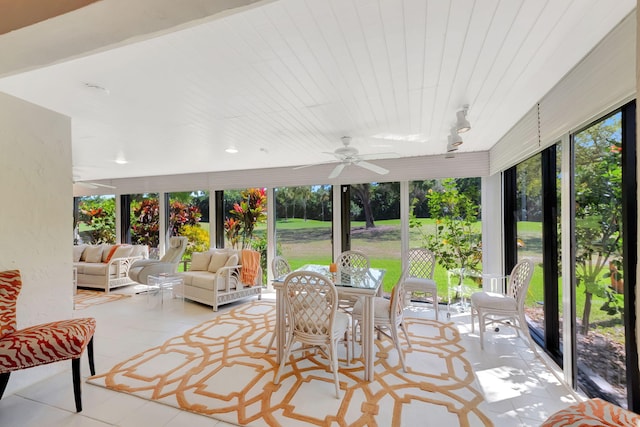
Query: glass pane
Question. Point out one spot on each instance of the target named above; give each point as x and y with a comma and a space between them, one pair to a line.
599, 302
445, 219
529, 232
145, 222
245, 219
186, 218
375, 227
304, 224
96, 220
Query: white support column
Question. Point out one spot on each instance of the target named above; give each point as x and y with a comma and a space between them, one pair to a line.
212, 218
337, 223
163, 199
405, 210
118, 213
565, 250
271, 234
492, 224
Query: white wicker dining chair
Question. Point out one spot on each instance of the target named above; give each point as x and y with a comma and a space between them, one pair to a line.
418, 273
351, 263
279, 267
388, 319
491, 308
314, 319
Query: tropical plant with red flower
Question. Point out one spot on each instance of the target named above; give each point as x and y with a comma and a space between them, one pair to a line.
245, 215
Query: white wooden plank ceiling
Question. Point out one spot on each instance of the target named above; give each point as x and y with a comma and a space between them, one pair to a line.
282, 81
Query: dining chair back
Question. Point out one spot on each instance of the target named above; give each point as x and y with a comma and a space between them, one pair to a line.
349, 264
279, 268
507, 309
417, 277
311, 300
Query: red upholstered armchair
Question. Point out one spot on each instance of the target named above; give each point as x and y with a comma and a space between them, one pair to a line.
40, 344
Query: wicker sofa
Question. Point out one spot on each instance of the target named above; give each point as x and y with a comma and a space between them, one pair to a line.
215, 277
106, 266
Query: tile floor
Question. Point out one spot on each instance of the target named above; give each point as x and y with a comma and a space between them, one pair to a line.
519, 390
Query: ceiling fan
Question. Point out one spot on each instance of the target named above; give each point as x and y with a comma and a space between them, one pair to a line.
347, 156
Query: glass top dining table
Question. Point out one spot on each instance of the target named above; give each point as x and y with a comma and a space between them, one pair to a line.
367, 285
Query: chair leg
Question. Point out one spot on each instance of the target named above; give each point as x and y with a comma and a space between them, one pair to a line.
333, 351
92, 366
77, 392
406, 334
4, 380
285, 356
434, 298
473, 314
396, 342
481, 328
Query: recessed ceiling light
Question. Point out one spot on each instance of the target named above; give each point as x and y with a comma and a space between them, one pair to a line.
121, 161
231, 150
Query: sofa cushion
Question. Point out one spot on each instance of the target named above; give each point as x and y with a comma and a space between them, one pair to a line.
200, 261
94, 269
122, 251
106, 250
77, 252
218, 259
231, 261
107, 257
199, 279
93, 253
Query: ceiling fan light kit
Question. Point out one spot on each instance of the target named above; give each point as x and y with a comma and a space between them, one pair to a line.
347, 156
455, 139
451, 147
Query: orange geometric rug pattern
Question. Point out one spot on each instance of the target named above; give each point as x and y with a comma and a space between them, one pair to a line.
85, 298
220, 369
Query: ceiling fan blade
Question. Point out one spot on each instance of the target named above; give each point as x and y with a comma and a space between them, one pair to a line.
374, 168
336, 171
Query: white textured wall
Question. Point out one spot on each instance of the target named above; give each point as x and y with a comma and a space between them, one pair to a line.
36, 217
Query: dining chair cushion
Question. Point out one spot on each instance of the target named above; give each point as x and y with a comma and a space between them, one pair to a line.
45, 343
381, 307
417, 282
493, 300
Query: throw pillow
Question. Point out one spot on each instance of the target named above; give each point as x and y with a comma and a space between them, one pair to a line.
199, 261
122, 251
233, 260
77, 252
218, 259
93, 253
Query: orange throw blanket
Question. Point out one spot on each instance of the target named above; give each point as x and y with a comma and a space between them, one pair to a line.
250, 266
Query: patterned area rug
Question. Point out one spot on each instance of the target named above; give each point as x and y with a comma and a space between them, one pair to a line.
86, 298
220, 369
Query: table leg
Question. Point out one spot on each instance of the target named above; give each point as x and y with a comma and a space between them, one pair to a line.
368, 337
281, 330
